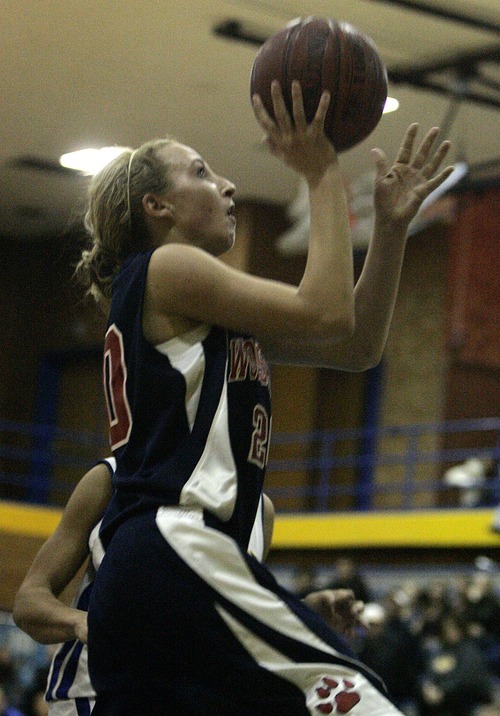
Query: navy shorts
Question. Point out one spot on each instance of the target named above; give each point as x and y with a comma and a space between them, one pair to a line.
183, 622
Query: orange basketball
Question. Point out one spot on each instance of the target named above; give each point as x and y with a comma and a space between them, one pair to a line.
324, 54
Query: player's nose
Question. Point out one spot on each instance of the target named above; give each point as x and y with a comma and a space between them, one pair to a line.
228, 188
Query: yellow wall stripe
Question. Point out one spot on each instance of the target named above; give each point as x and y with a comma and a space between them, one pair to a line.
428, 528
28, 520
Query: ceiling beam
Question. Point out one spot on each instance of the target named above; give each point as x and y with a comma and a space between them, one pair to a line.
451, 15
463, 66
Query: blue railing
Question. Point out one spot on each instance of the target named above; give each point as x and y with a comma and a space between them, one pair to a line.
403, 469
42, 463
410, 472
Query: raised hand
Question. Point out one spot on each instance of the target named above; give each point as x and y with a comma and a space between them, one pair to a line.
303, 147
401, 189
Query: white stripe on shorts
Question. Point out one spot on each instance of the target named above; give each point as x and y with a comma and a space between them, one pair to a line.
66, 708
216, 558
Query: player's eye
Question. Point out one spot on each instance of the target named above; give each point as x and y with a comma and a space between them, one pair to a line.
201, 171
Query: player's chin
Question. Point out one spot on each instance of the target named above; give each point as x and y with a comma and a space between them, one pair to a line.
231, 233
230, 242
224, 243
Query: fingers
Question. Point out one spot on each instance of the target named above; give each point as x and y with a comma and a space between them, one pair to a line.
436, 159
438, 179
406, 148
421, 159
263, 118
319, 118
283, 120
298, 113
425, 148
299, 116
380, 159
280, 111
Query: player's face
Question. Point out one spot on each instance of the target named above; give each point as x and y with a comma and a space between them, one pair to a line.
202, 201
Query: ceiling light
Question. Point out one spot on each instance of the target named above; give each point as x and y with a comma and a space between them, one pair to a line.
391, 105
90, 161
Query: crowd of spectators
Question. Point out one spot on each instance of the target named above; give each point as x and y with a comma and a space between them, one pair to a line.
437, 648
24, 666
436, 645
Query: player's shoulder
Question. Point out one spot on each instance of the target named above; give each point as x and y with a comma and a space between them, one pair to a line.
182, 276
177, 258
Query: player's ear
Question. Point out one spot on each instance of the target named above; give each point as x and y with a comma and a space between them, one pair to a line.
157, 206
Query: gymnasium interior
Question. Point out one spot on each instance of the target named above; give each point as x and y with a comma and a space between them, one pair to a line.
387, 479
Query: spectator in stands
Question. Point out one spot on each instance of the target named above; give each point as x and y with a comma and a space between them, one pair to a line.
456, 679
432, 604
305, 581
347, 576
20, 659
8, 677
392, 651
488, 710
481, 605
474, 481
479, 608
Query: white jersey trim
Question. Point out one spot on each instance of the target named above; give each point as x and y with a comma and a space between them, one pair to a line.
213, 482
186, 355
256, 541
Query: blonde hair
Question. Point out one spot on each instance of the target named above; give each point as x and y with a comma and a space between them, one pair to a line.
114, 220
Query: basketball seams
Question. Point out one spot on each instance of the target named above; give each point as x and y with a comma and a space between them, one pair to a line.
346, 74
316, 37
332, 61
325, 54
286, 85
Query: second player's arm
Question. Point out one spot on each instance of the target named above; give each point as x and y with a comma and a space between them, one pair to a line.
37, 609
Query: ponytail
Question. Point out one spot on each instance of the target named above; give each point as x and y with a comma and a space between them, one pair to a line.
114, 220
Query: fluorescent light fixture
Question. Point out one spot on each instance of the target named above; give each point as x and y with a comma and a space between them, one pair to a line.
90, 161
391, 105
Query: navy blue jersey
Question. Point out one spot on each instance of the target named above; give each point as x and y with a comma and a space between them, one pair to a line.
190, 419
182, 620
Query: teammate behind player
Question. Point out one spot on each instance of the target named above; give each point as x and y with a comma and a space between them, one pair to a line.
39, 609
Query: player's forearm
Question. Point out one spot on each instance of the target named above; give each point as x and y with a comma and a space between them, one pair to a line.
375, 295
328, 276
45, 618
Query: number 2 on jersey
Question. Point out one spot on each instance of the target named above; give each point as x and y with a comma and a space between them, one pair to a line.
259, 447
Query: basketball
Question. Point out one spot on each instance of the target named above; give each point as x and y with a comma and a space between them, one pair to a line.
323, 54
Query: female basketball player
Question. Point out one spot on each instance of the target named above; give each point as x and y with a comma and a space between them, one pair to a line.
181, 619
